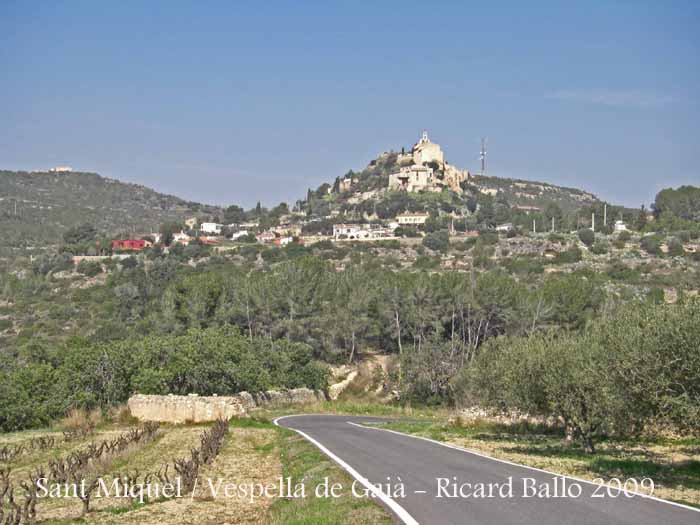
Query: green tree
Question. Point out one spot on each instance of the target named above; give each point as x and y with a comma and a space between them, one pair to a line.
79, 234
437, 241
586, 236
234, 215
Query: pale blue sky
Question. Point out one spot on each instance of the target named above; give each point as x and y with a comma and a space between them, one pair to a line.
227, 102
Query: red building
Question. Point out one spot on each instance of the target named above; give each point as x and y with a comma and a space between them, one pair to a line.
129, 244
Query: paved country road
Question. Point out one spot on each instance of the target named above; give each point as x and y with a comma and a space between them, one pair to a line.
428, 470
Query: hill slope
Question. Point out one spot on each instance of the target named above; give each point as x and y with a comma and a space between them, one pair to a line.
47, 204
369, 191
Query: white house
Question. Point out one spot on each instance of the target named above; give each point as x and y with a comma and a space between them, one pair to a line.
350, 231
239, 234
361, 232
620, 226
412, 218
508, 226
211, 227
181, 237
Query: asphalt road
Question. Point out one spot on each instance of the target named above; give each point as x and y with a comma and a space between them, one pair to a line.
429, 473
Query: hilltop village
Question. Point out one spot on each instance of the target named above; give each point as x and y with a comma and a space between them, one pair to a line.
344, 215
410, 209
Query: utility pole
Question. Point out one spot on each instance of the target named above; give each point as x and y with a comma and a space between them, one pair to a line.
482, 156
605, 215
593, 221
534, 230
552, 223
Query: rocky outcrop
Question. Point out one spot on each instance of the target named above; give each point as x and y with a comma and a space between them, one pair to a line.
199, 409
336, 389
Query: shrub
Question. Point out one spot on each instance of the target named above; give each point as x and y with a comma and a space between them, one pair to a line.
655, 295
524, 265
636, 369
89, 268
620, 245
650, 244
624, 236
587, 236
488, 238
621, 272
437, 241
675, 247
426, 262
249, 238
572, 255
684, 236
600, 247
81, 420
556, 237
406, 231
129, 262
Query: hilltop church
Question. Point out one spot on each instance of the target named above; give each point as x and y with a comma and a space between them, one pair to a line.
428, 170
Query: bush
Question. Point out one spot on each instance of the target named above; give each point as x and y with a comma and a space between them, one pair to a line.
129, 262
89, 268
675, 247
624, 236
600, 247
587, 236
426, 262
437, 241
684, 236
620, 245
249, 238
524, 265
81, 420
628, 373
656, 295
572, 255
651, 244
621, 272
556, 237
57, 263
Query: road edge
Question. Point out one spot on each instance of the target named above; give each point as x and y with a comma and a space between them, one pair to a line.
468, 451
390, 503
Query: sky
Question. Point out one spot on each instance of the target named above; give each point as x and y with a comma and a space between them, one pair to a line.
234, 102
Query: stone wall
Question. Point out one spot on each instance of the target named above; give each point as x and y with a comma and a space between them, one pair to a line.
199, 409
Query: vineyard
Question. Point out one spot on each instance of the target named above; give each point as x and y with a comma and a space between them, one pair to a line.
125, 458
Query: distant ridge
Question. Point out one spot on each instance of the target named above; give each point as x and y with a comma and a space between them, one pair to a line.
37, 207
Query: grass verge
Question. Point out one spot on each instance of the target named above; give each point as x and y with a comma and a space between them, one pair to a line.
303, 462
673, 464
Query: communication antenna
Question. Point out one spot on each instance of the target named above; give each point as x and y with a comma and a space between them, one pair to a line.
482, 156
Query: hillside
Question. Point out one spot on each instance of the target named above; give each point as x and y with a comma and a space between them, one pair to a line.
523, 193
37, 207
420, 178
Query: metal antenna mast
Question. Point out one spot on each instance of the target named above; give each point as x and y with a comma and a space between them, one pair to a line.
482, 156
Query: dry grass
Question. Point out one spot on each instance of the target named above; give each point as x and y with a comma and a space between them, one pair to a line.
248, 456
673, 464
80, 419
33, 459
